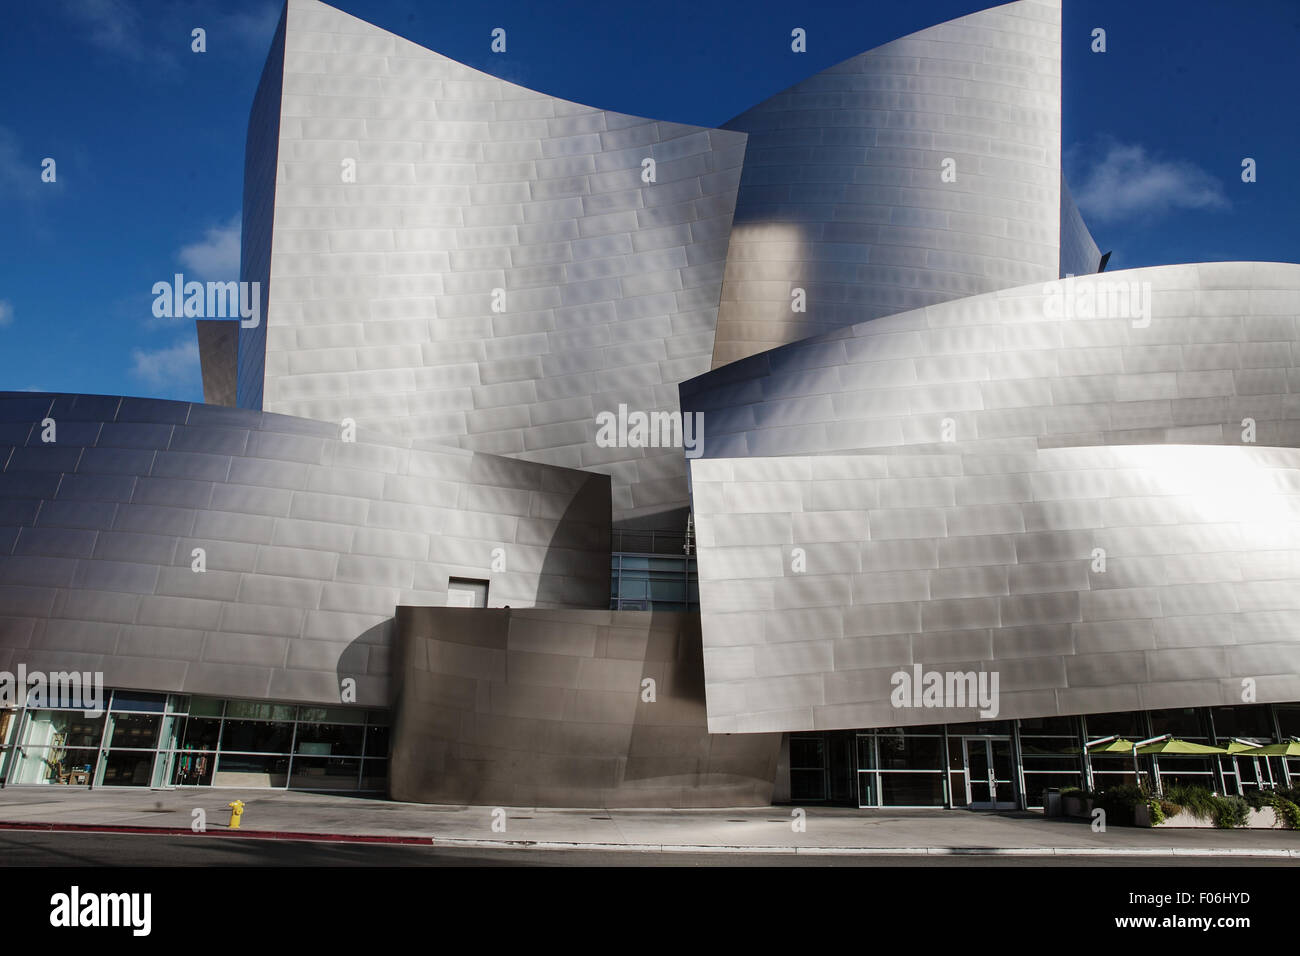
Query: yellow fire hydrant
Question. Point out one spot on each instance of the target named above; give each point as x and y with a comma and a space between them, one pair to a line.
236, 811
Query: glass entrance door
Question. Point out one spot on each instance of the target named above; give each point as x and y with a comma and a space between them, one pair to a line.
989, 772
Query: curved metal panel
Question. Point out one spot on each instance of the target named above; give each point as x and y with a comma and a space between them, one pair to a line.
1087, 580
309, 543
461, 260
551, 708
844, 192
1079, 252
948, 478
1184, 353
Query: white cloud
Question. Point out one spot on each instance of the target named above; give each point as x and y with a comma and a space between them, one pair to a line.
216, 255
111, 25
6, 313
19, 177
256, 27
1126, 182
169, 369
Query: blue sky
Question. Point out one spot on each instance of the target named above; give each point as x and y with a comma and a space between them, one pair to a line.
148, 137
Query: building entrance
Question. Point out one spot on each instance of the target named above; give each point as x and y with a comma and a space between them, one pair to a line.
990, 771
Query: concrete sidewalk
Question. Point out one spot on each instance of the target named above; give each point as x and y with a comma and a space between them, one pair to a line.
290, 815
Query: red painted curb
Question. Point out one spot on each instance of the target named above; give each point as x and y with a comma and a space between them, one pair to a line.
224, 832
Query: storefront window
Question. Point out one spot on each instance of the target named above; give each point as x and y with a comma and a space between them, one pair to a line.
1253, 720
59, 747
135, 731
257, 736
177, 740
329, 739
128, 768
325, 773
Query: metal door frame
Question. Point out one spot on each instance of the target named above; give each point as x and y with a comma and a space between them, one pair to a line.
987, 741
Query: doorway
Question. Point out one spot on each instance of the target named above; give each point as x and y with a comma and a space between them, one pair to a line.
990, 770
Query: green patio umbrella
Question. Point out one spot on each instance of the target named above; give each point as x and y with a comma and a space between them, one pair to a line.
1289, 749
1175, 747
1241, 747
1120, 746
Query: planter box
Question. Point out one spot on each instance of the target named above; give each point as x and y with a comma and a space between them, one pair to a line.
1076, 807
1264, 819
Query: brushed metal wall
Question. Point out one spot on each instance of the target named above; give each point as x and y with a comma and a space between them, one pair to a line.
311, 543
381, 290
545, 708
1079, 252
1219, 347
842, 193
1069, 435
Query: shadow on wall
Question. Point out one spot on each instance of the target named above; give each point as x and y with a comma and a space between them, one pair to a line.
575, 571
368, 656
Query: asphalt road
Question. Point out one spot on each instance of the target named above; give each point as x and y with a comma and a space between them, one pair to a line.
51, 849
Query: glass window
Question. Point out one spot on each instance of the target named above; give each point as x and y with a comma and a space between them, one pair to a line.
807, 753
325, 773
201, 733
127, 768
911, 789
62, 728
138, 731
194, 769
1250, 720
376, 741
206, 706
257, 736
866, 752
1036, 783
332, 715
807, 785
1183, 722
251, 770
374, 775
143, 703
258, 710
326, 740
996, 728
1288, 720
907, 752
59, 747
55, 765
1050, 727
467, 592
1050, 746
1125, 724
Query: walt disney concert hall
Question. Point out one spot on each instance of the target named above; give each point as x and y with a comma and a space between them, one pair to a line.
580, 459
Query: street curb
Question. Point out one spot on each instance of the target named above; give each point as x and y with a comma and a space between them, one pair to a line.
878, 851
287, 835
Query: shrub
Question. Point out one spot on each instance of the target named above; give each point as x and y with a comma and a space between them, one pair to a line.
1197, 801
1230, 812
1120, 801
1258, 799
1288, 812
1285, 808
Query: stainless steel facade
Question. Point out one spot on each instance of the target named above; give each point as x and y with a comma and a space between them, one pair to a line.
310, 543
846, 193
1161, 441
925, 467
458, 259
563, 708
